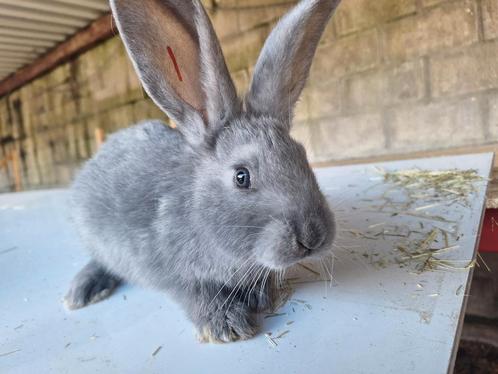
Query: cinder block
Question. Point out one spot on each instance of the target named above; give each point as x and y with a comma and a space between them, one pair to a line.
329, 34
452, 24
208, 4
301, 132
255, 3
83, 138
301, 110
119, 118
242, 51
354, 15
392, 85
326, 99
428, 3
224, 21
353, 53
490, 18
110, 72
435, 126
252, 17
45, 159
32, 177
348, 137
24, 96
406, 82
4, 116
469, 70
146, 109
366, 91
222, 3
241, 81
70, 135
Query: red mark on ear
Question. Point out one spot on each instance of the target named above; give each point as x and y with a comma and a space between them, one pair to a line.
175, 64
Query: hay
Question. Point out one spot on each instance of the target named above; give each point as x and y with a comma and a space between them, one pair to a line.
442, 185
414, 193
443, 182
156, 351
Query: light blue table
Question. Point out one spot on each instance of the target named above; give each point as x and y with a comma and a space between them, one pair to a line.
372, 319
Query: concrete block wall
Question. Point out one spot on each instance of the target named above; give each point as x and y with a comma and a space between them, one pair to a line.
403, 76
390, 77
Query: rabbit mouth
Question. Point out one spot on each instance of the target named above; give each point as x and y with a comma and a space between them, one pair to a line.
279, 247
307, 250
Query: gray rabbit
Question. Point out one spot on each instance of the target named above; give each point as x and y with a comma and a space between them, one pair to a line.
209, 211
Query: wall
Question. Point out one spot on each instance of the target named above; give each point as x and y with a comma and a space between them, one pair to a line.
390, 77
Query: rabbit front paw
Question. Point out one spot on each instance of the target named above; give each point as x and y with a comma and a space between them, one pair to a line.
224, 326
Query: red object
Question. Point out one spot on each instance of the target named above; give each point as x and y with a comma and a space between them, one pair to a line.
489, 232
175, 64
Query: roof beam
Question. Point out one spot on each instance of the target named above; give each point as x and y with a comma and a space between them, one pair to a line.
99, 30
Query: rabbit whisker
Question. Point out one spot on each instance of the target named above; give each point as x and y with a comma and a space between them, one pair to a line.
250, 227
230, 278
254, 284
240, 281
328, 271
264, 282
241, 284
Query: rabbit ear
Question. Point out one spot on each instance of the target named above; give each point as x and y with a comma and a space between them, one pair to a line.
285, 61
178, 58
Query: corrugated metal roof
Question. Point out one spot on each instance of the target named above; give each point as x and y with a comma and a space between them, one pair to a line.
29, 28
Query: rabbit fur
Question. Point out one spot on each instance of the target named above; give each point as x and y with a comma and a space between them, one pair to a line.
160, 206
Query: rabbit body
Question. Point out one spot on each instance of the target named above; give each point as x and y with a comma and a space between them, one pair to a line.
132, 207
210, 211
140, 173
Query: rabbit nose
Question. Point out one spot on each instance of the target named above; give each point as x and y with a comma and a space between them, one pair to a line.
312, 235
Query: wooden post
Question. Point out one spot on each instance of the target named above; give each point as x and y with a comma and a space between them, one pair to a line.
14, 157
99, 137
3, 164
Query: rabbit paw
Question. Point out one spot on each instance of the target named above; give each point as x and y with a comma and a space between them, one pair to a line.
236, 323
264, 300
90, 285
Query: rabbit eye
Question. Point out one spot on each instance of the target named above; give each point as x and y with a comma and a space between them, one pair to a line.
242, 178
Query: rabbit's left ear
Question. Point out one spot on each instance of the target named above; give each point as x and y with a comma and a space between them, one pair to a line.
285, 61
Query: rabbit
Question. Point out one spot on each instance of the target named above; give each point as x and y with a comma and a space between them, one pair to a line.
211, 210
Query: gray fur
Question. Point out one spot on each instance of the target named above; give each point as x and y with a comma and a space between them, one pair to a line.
92, 284
284, 64
220, 97
160, 208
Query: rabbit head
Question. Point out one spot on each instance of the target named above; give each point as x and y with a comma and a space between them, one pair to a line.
253, 191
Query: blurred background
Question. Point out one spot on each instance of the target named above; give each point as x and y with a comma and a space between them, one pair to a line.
390, 78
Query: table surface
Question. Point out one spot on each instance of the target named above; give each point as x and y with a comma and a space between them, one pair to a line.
378, 315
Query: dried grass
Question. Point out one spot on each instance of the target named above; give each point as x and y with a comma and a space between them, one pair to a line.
441, 185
